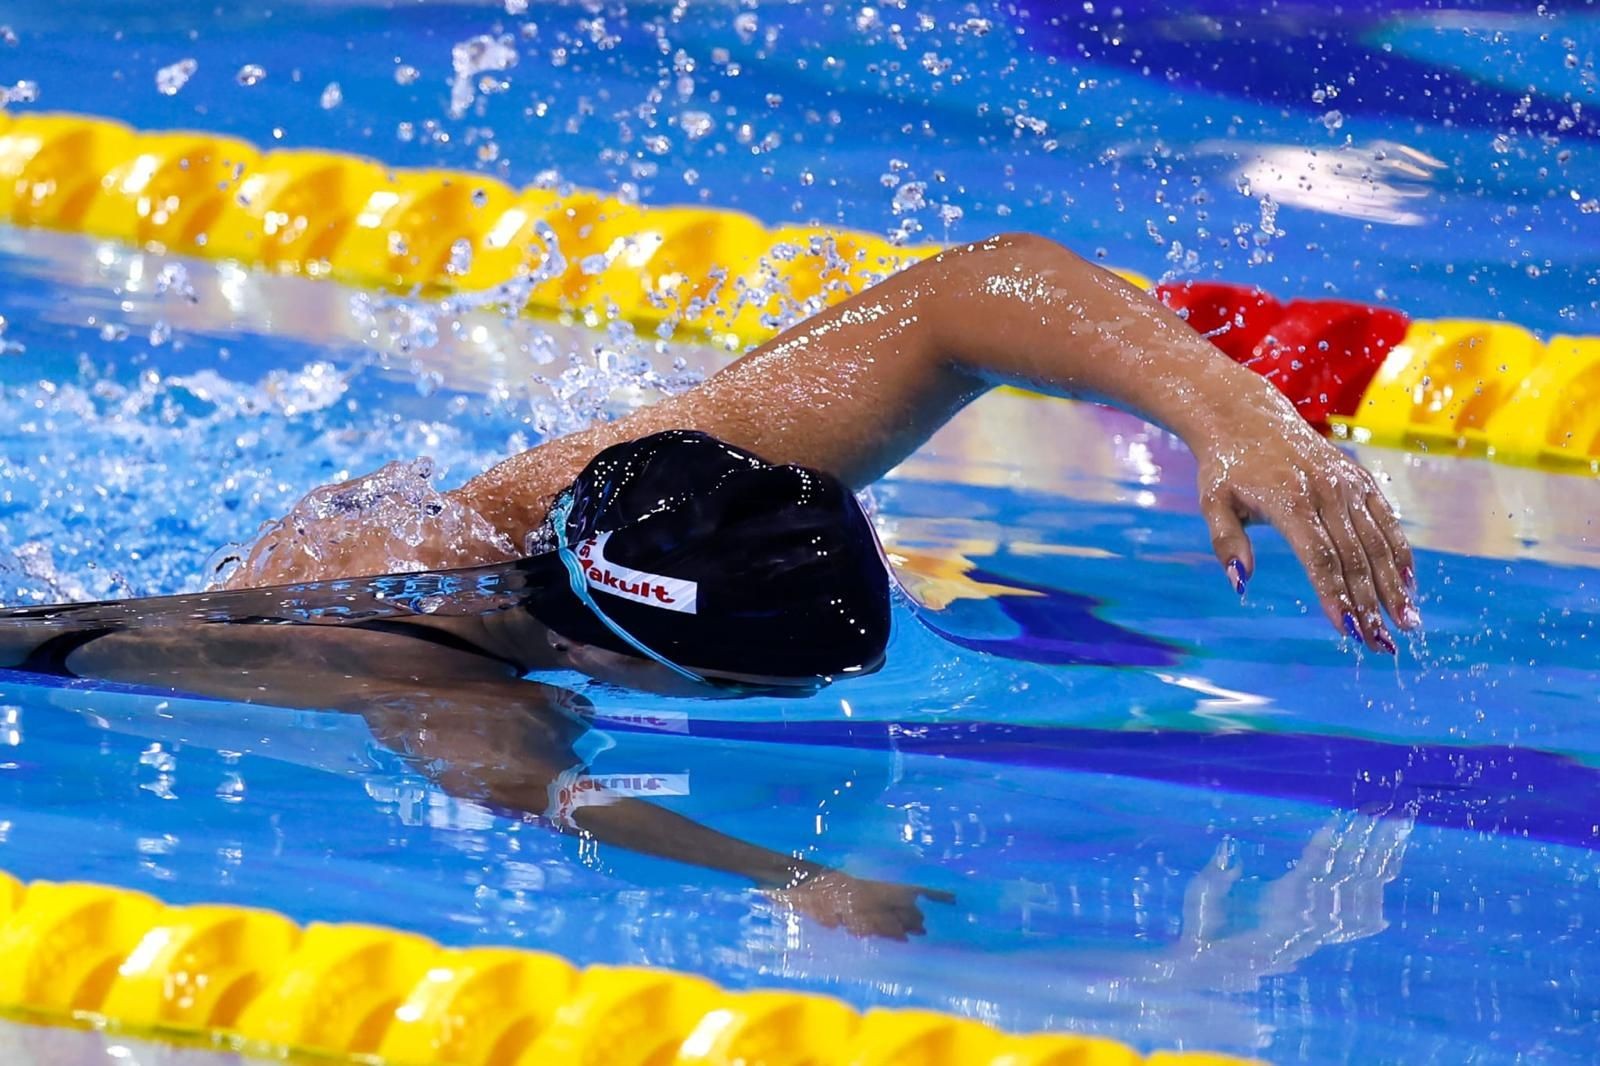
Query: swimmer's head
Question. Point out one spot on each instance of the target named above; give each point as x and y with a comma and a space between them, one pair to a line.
692, 551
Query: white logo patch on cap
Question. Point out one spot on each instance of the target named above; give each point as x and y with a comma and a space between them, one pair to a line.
655, 590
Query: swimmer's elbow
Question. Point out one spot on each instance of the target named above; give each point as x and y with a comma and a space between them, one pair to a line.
1019, 247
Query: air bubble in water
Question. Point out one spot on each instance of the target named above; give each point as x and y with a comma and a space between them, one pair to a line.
160, 333
1333, 119
172, 78
249, 74
516, 7
332, 96
405, 74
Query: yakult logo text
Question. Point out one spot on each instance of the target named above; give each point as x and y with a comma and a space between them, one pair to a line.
671, 593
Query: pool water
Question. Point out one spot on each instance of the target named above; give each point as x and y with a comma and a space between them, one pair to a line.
1167, 816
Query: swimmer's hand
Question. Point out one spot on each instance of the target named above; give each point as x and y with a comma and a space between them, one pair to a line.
386, 522
863, 907
1269, 465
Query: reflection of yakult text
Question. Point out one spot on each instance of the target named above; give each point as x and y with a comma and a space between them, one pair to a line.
572, 790
644, 784
658, 721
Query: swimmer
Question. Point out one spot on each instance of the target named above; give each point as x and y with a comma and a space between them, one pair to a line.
857, 388
711, 545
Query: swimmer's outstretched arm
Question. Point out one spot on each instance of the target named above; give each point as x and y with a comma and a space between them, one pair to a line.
857, 388
477, 732
491, 741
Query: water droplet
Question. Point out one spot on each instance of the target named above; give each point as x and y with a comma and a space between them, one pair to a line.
911, 196
405, 74
695, 124
23, 92
174, 278
249, 74
473, 57
172, 78
332, 96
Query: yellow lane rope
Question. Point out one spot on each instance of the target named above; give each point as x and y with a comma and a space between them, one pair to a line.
1484, 388
254, 981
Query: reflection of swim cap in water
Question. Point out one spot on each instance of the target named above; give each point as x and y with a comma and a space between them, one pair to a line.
716, 560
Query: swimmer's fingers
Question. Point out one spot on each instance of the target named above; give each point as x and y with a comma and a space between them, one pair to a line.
1377, 560
1302, 525
1403, 605
1389, 571
938, 895
1360, 580
1228, 539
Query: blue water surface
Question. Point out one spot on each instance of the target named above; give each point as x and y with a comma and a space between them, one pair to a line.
1166, 816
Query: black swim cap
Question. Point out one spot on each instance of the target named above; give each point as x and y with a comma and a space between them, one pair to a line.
720, 561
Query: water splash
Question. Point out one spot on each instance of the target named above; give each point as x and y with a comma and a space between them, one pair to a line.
23, 92
473, 57
170, 79
394, 520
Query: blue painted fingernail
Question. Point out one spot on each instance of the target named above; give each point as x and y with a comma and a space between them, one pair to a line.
1236, 572
1350, 626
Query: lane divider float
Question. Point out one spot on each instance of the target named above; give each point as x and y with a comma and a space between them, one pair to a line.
254, 981
1365, 373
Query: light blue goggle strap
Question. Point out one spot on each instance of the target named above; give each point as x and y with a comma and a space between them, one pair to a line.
580, 589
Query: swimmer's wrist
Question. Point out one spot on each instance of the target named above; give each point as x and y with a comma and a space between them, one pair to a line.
1231, 403
788, 872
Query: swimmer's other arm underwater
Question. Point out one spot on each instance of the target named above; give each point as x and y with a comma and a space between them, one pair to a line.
857, 388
